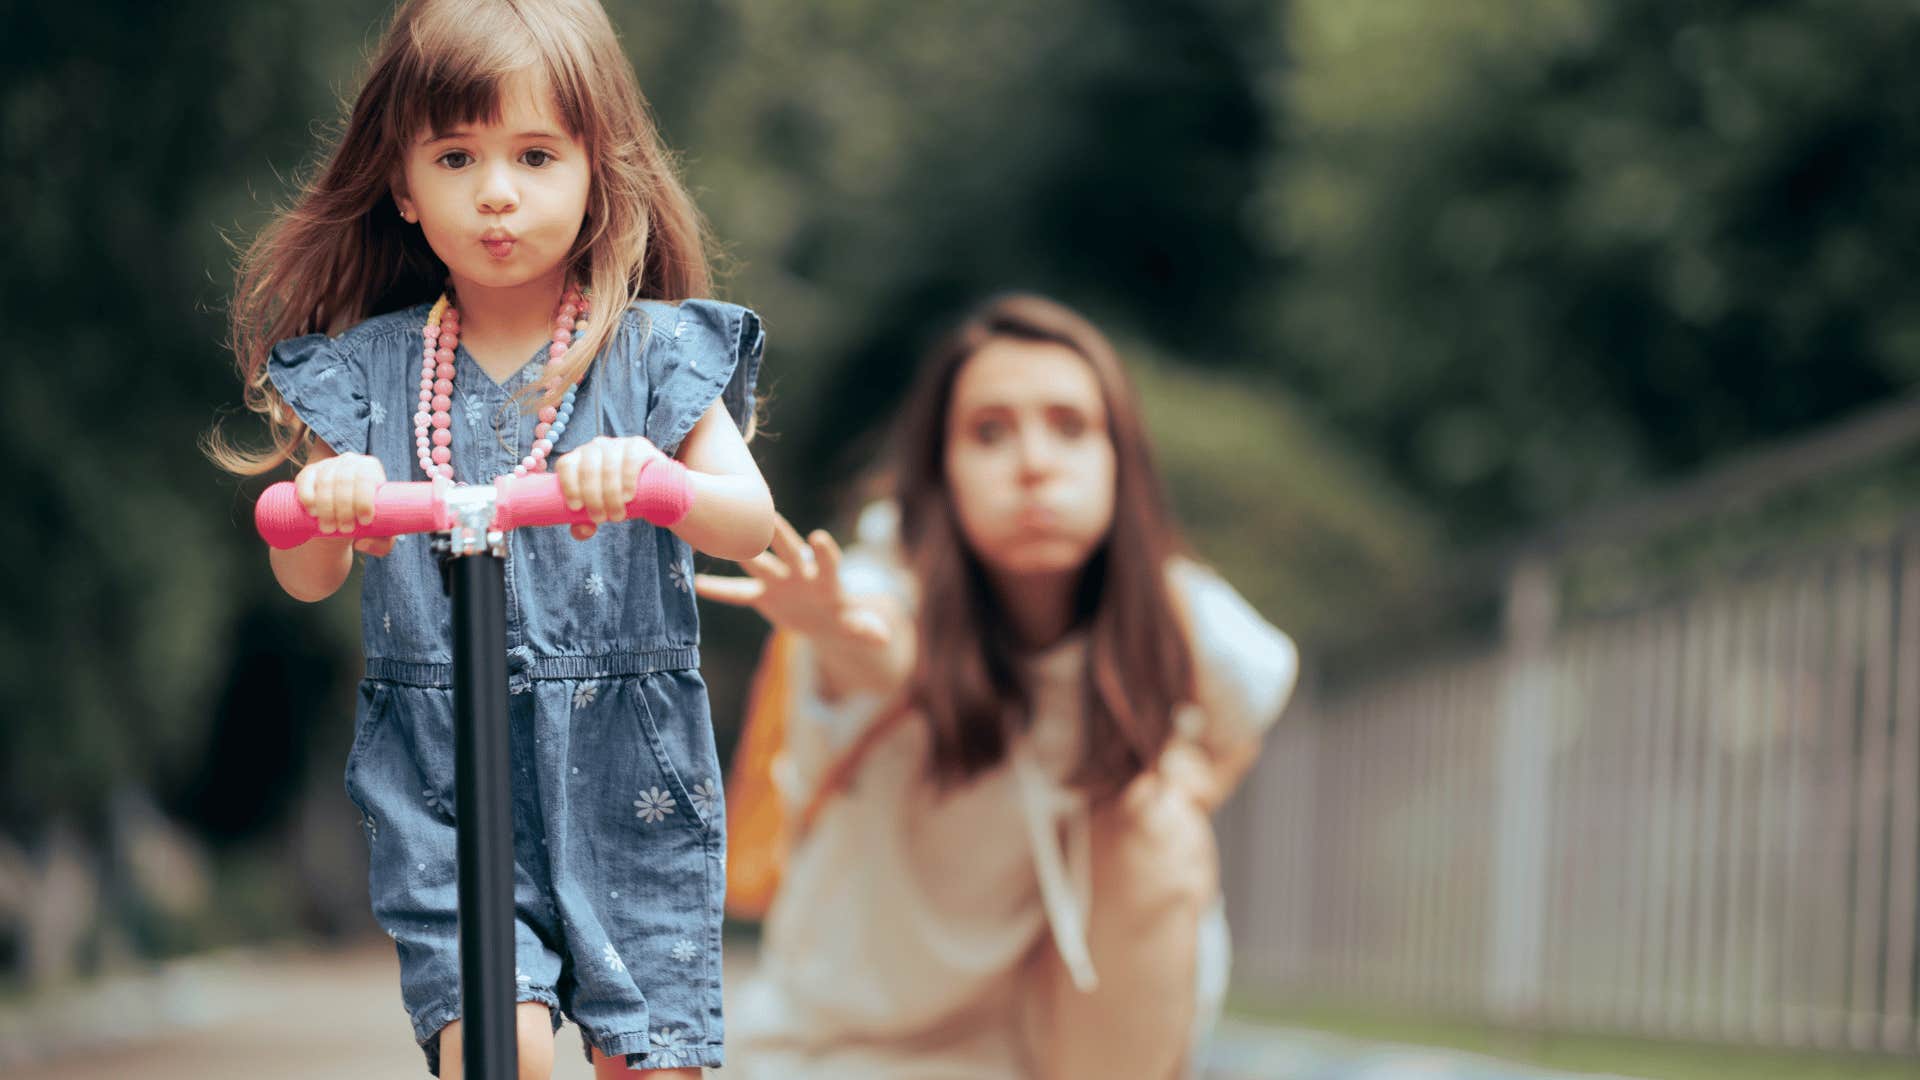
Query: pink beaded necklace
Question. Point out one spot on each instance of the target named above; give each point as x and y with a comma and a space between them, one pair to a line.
433, 423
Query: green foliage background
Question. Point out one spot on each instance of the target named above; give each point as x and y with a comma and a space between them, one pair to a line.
1397, 278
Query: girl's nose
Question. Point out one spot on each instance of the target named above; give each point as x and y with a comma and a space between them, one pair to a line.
496, 192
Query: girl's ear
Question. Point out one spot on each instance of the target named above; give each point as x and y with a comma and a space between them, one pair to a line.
397, 186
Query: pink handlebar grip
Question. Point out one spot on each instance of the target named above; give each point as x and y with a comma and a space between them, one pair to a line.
397, 508
663, 496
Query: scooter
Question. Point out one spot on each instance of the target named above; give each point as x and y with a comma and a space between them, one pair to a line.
470, 524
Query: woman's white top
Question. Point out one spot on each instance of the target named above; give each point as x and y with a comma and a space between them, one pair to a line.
894, 946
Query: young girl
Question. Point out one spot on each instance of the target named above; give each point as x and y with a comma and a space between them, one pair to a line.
1021, 713
494, 273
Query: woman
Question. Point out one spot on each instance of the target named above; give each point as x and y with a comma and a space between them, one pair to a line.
1037, 699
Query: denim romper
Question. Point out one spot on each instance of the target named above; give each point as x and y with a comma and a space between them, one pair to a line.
619, 841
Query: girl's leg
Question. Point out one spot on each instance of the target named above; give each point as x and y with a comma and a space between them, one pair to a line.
535, 1026
615, 1068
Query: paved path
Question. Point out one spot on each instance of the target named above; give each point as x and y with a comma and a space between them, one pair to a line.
308, 1016
1244, 1051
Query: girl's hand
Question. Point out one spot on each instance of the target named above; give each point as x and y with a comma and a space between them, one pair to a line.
796, 586
338, 491
602, 476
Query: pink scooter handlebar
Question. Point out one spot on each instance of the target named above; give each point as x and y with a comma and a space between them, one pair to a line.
663, 496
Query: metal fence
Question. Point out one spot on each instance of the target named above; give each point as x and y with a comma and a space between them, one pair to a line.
1699, 819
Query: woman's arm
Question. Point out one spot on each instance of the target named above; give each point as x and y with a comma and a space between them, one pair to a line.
1210, 774
861, 643
1244, 671
874, 657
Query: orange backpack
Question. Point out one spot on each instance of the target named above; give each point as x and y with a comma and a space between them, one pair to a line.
756, 816
759, 832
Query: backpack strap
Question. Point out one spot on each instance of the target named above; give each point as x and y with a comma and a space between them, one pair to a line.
839, 775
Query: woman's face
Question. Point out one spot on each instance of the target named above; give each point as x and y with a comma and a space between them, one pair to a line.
1029, 460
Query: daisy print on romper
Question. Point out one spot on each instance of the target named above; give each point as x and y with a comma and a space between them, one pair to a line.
703, 796
669, 1048
653, 806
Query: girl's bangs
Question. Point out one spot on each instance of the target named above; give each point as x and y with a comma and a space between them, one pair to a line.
457, 74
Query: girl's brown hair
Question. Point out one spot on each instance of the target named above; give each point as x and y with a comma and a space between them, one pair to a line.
967, 679
342, 253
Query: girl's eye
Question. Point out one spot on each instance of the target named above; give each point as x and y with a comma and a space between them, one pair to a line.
537, 158
456, 159
1071, 425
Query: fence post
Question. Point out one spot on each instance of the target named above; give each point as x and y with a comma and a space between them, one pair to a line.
1524, 745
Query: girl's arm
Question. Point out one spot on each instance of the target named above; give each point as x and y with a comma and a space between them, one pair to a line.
732, 512
337, 489
315, 570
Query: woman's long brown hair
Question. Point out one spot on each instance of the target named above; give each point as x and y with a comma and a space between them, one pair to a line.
967, 680
341, 253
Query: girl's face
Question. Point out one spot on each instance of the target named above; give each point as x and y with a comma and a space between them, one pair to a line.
1029, 460
501, 203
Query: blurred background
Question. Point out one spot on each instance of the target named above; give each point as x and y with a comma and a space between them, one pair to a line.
1545, 367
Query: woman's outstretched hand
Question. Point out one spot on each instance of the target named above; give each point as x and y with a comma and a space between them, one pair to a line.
796, 586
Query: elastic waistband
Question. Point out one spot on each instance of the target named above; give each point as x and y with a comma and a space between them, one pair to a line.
524, 667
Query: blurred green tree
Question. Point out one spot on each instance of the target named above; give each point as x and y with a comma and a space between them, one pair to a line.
1507, 256
124, 152
869, 169
1540, 252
